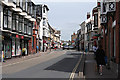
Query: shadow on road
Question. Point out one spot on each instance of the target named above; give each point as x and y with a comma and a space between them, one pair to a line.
66, 64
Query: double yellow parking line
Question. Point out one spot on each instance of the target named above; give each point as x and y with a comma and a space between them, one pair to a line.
75, 68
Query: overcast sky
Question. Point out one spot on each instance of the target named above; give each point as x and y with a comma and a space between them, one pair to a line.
66, 16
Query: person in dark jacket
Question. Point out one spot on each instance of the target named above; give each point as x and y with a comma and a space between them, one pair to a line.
100, 58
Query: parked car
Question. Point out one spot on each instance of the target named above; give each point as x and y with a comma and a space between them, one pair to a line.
65, 47
71, 47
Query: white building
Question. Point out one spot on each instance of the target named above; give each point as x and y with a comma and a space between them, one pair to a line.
44, 29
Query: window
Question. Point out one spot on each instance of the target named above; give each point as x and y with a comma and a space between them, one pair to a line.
17, 2
25, 26
33, 41
13, 22
20, 3
28, 8
9, 19
44, 10
5, 18
24, 5
96, 20
17, 23
20, 23
27, 29
30, 28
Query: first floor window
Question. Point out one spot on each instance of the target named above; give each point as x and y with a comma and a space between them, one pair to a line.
5, 21
9, 22
13, 24
5, 18
9, 19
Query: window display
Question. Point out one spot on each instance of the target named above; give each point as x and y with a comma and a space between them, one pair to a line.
13, 47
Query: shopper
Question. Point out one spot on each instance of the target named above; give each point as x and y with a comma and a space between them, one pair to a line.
100, 58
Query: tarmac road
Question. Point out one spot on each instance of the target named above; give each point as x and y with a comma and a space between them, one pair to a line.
59, 64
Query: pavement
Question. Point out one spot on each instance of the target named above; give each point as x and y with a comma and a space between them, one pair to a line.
91, 72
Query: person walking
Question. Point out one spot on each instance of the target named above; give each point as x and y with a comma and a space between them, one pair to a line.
100, 58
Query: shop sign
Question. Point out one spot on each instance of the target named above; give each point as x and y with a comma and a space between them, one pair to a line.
103, 19
17, 36
111, 6
22, 37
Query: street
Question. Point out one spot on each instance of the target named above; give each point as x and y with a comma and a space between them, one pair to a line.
57, 64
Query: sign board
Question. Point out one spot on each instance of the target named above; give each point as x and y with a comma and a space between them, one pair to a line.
108, 7
103, 19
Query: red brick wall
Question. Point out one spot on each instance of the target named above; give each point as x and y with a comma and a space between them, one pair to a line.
117, 32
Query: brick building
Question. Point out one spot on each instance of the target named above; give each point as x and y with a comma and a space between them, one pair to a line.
110, 32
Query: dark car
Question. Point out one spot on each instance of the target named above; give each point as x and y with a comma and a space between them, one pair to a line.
65, 47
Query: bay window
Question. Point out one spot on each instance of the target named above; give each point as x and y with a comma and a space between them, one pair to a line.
5, 18
9, 19
20, 3
17, 22
20, 23
25, 26
30, 28
13, 22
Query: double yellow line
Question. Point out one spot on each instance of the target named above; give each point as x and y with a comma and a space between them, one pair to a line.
75, 68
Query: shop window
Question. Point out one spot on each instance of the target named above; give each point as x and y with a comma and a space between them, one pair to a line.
32, 42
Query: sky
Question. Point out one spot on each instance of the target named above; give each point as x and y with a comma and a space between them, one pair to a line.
66, 16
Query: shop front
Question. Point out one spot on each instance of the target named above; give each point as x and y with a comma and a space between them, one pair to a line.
6, 45
16, 49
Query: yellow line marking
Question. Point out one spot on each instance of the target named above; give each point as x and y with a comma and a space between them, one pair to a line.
75, 68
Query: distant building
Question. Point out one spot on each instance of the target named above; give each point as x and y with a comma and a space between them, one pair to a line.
73, 38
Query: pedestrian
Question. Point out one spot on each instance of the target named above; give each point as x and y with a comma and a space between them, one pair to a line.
94, 50
100, 59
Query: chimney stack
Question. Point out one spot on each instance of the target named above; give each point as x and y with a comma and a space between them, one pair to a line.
88, 15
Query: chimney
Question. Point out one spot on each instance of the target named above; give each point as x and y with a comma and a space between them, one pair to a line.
88, 15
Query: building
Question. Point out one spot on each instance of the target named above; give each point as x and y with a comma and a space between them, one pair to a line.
73, 39
45, 27
16, 32
110, 26
89, 25
82, 43
57, 36
78, 40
